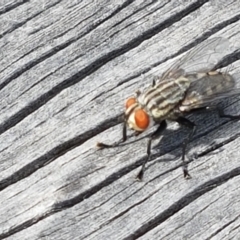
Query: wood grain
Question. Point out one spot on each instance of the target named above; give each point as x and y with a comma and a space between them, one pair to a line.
66, 69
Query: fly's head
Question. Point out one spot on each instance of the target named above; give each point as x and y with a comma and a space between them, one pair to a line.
135, 116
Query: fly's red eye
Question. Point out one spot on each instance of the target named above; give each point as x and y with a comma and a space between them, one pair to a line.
130, 102
141, 119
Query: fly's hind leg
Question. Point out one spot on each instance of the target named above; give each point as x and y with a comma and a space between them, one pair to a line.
223, 115
187, 123
154, 135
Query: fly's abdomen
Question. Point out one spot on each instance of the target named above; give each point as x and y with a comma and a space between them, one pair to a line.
161, 99
207, 88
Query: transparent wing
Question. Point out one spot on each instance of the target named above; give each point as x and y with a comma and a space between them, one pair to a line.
200, 59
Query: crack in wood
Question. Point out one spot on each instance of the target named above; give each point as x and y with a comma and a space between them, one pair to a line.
183, 202
56, 152
20, 24
222, 228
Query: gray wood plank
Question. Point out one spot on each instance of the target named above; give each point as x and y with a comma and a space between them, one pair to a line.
66, 68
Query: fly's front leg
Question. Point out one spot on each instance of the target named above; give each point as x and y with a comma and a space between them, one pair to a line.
187, 123
124, 138
154, 135
124, 132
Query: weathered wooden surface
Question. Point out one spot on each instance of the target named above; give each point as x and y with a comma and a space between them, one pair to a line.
66, 68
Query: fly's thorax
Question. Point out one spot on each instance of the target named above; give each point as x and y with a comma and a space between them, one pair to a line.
136, 117
161, 99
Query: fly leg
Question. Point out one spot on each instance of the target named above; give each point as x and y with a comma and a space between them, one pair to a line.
124, 138
187, 123
222, 114
154, 135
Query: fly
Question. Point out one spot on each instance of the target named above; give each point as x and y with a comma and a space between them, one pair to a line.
190, 84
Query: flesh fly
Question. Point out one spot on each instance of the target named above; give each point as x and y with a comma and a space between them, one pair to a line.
189, 85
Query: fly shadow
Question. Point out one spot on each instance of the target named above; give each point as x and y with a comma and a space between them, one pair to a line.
206, 121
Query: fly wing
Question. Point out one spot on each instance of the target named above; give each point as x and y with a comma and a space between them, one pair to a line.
200, 59
209, 89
